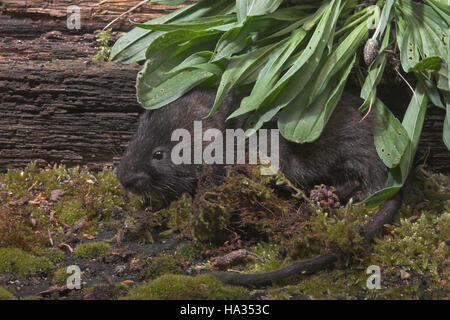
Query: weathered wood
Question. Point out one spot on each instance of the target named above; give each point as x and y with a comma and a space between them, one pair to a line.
94, 14
71, 112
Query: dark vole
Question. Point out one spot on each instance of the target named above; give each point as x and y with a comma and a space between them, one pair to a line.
344, 156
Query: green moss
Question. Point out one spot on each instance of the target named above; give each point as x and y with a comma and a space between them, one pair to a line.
5, 294
161, 265
53, 254
30, 298
17, 231
102, 37
91, 250
60, 276
189, 252
177, 287
21, 263
70, 211
119, 290
246, 199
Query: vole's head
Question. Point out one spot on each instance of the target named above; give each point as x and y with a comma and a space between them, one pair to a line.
147, 166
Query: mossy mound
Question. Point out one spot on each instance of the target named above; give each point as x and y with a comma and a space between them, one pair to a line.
188, 252
160, 265
246, 201
5, 294
91, 250
34, 202
21, 263
178, 287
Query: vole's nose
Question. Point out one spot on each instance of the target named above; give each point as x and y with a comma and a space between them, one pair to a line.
132, 180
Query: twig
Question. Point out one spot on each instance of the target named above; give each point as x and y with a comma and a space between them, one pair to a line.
32, 186
368, 111
50, 237
100, 3
132, 9
407, 83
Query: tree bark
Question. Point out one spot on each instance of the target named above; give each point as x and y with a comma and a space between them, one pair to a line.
94, 14
72, 112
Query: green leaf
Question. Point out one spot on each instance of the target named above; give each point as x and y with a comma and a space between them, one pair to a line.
385, 16
236, 70
232, 41
168, 52
446, 132
194, 25
413, 123
248, 8
427, 64
293, 81
442, 7
271, 71
162, 63
289, 122
312, 119
198, 60
132, 46
169, 90
391, 139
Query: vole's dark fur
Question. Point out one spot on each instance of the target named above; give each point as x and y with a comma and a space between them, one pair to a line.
344, 157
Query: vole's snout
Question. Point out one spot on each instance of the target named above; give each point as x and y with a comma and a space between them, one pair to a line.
131, 179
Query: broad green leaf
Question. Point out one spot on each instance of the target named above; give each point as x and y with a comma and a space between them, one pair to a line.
412, 123
132, 46
272, 70
236, 70
172, 88
312, 119
162, 60
175, 38
427, 64
307, 23
444, 77
299, 74
232, 41
391, 139
446, 130
431, 90
194, 25
379, 197
422, 33
198, 60
442, 7
386, 16
166, 53
288, 122
248, 8
339, 57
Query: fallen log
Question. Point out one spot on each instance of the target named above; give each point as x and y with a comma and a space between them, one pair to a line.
72, 112
93, 14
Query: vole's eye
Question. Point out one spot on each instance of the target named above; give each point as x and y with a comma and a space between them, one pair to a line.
158, 155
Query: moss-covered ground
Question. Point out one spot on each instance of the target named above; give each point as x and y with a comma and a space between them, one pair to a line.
58, 217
